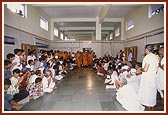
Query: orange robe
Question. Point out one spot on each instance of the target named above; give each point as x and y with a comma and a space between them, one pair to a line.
85, 59
90, 59
78, 59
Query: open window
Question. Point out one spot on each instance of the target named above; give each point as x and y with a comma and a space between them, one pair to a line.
43, 23
155, 9
20, 9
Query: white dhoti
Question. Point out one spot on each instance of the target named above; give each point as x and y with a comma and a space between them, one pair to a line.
128, 98
148, 90
160, 81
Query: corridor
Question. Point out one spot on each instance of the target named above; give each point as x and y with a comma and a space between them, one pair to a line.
81, 90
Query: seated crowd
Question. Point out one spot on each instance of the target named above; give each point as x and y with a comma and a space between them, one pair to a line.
29, 77
125, 78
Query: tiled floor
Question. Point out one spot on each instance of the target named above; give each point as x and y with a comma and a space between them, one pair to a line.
81, 90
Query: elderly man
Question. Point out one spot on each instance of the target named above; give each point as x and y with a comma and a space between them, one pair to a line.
127, 96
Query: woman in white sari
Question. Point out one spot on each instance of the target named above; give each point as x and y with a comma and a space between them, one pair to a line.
148, 85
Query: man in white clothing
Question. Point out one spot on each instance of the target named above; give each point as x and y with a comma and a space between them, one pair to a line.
17, 61
133, 79
30, 65
33, 77
127, 96
31, 56
48, 83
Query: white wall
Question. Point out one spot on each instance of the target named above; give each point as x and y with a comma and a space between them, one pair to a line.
76, 46
30, 27
101, 48
142, 42
142, 23
20, 37
111, 48
29, 24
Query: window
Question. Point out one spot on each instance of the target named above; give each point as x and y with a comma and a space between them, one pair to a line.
155, 9
18, 8
117, 32
72, 39
56, 32
62, 36
9, 40
43, 23
130, 24
41, 45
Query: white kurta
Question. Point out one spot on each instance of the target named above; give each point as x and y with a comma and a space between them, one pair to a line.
47, 87
12, 89
30, 67
33, 78
106, 66
41, 68
148, 85
17, 61
29, 57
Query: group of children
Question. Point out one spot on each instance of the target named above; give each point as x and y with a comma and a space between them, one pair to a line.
29, 77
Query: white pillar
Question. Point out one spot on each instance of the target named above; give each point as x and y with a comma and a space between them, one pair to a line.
51, 29
93, 37
98, 29
122, 30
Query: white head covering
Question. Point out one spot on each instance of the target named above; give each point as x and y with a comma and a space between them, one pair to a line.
133, 71
108, 76
125, 67
56, 57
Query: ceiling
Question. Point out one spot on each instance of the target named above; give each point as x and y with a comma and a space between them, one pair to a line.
78, 21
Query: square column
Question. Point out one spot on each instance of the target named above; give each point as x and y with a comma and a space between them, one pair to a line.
122, 30
52, 29
98, 29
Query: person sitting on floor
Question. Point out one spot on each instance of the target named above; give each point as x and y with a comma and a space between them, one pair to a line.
34, 76
127, 96
30, 65
9, 103
14, 87
7, 67
35, 89
133, 79
110, 79
101, 70
48, 83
